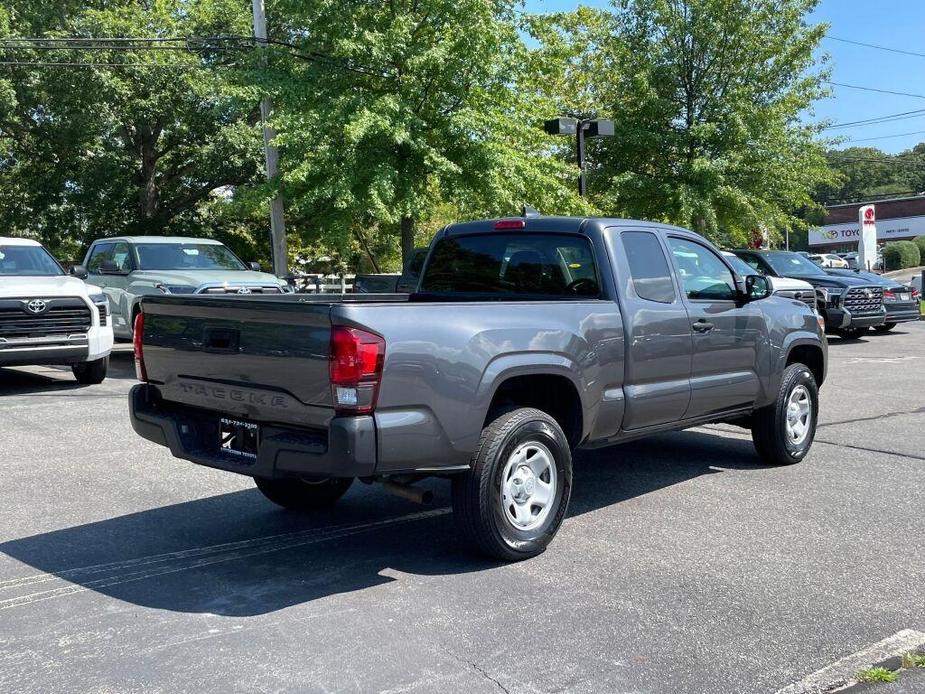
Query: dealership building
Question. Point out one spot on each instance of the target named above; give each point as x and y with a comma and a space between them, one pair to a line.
897, 219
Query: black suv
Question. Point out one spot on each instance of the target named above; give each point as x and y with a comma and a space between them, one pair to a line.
849, 305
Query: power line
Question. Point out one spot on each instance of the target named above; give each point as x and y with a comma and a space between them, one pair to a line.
889, 118
193, 44
874, 89
872, 45
62, 63
887, 137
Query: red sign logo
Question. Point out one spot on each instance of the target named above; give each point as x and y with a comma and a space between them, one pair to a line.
869, 216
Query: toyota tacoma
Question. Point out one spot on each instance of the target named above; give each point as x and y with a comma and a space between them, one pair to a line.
525, 339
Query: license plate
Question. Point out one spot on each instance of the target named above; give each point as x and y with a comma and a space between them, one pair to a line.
904, 296
239, 438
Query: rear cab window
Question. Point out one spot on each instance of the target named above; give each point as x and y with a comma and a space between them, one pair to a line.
515, 265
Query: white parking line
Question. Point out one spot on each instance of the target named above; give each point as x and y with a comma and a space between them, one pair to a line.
173, 562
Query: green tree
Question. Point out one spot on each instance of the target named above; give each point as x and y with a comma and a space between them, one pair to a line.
415, 108
707, 97
148, 140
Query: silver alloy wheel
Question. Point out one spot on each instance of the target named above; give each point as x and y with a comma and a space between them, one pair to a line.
528, 485
799, 415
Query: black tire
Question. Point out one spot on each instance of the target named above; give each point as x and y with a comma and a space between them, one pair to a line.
298, 494
477, 497
885, 328
769, 424
850, 333
90, 373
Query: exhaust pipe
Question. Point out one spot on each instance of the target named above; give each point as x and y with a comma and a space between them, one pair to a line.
409, 492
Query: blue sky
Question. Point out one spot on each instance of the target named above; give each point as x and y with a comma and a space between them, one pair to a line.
897, 24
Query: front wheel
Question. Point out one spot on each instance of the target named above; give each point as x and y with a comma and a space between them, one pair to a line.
91, 372
885, 328
784, 430
298, 494
511, 502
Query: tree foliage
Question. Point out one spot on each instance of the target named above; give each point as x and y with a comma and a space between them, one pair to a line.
139, 147
707, 97
398, 116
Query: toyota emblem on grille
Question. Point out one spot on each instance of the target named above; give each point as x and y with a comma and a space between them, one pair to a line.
869, 293
36, 306
244, 290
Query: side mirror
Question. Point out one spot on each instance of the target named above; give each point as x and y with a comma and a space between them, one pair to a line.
107, 267
255, 267
757, 287
79, 271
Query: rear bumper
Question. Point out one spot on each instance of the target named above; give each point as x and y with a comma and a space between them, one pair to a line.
902, 313
346, 449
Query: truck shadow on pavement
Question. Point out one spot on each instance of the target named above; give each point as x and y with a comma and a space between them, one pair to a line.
235, 554
57, 379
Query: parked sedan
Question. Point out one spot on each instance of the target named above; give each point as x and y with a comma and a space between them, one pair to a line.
830, 260
901, 301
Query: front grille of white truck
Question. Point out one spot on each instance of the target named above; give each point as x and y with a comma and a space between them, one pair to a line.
47, 316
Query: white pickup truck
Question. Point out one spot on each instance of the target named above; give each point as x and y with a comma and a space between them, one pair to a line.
47, 317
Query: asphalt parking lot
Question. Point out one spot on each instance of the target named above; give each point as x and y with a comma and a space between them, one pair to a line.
684, 566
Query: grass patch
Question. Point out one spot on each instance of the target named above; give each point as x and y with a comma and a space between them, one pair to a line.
914, 659
876, 674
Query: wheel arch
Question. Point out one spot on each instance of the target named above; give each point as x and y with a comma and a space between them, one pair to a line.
552, 387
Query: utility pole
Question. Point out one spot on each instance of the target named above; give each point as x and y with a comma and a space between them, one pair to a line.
271, 155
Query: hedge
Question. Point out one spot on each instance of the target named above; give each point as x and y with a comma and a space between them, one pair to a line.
920, 242
901, 254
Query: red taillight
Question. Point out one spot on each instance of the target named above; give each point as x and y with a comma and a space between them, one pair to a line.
137, 337
510, 224
356, 369
889, 294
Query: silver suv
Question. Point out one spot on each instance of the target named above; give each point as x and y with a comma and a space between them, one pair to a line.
129, 267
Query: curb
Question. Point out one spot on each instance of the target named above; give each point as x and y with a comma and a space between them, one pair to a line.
842, 671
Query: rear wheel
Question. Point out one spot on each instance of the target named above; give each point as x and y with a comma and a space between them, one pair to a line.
885, 328
513, 499
783, 431
91, 372
304, 494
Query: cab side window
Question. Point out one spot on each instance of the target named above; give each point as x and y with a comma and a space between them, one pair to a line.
754, 262
703, 275
648, 266
102, 252
121, 257
110, 258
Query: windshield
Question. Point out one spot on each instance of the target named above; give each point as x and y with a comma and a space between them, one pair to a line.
548, 265
27, 261
186, 256
740, 266
793, 265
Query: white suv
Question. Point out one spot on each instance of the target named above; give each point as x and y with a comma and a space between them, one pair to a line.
47, 317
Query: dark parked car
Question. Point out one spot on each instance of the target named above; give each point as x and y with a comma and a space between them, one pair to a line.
901, 301
850, 305
525, 339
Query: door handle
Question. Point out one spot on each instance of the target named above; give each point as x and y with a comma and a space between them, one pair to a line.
702, 326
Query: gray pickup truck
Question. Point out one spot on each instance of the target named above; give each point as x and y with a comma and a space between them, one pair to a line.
526, 339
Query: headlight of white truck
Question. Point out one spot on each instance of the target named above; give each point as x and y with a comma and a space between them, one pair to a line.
101, 301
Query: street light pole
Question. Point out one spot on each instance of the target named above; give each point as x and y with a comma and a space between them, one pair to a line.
580, 150
581, 129
279, 250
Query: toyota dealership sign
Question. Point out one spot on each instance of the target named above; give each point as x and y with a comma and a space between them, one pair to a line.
850, 232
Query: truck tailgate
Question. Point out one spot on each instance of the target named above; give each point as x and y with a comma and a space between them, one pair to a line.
260, 358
